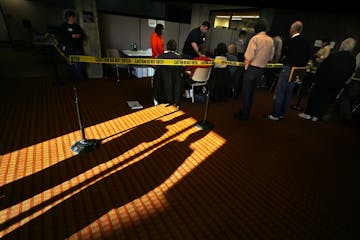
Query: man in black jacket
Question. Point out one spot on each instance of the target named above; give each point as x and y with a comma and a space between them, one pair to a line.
195, 40
71, 37
296, 54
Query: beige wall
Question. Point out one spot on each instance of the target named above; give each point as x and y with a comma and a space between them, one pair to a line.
120, 31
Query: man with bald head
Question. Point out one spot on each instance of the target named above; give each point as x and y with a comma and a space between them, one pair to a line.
296, 54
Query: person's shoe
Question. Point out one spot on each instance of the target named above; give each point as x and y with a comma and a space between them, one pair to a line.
281, 117
273, 118
314, 119
305, 116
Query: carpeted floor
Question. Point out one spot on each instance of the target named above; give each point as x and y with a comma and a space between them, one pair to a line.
156, 176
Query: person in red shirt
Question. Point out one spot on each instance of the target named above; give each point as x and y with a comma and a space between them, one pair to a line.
192, 68
157, 42
189, 72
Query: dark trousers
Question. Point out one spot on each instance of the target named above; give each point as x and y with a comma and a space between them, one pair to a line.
252, 77
77, 70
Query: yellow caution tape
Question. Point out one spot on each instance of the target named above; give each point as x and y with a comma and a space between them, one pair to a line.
151, 61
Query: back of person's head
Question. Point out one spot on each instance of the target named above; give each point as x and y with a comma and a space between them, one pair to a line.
206, 24
232, 49
221, 49
159, 28
171, 45
260, 26
242, 33
348, 44
297, 27
68, 14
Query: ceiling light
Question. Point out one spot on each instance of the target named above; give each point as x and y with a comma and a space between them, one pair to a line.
236, 18
248, 16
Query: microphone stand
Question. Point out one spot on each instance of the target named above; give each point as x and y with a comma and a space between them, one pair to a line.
83, 145
205, 124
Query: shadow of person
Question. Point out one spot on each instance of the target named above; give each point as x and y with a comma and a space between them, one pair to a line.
26, 187
111, 192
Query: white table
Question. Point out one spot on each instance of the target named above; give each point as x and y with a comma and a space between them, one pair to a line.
138, 53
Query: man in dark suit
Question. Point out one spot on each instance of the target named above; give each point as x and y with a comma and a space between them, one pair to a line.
296, 54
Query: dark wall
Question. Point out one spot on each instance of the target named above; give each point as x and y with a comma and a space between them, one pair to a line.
317, 25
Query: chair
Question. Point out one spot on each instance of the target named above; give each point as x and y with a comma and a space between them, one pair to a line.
200, 77
114, 53
221, 84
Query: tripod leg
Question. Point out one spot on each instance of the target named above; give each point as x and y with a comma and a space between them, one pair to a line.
204, 124
83, 145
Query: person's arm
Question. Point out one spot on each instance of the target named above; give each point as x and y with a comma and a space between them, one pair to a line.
63, 36
79, 32
160, 45
272, 55
196, 48
249, 53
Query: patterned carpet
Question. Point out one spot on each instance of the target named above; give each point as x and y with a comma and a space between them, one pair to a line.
156, 176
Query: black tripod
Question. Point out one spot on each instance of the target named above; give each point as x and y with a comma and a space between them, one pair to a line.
205, 124
83, 145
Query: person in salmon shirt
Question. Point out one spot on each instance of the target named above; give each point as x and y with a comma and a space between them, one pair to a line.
157, 41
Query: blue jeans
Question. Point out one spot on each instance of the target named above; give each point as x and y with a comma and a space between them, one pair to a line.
283, 92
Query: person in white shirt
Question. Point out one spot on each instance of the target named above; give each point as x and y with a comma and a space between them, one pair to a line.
259, 52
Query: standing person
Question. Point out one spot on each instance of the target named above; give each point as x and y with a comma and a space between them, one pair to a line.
195, 40
270, 73
71, 38
157, 41
241, 45
331, 77
259, 52
296, 54
278, 44
236, 72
